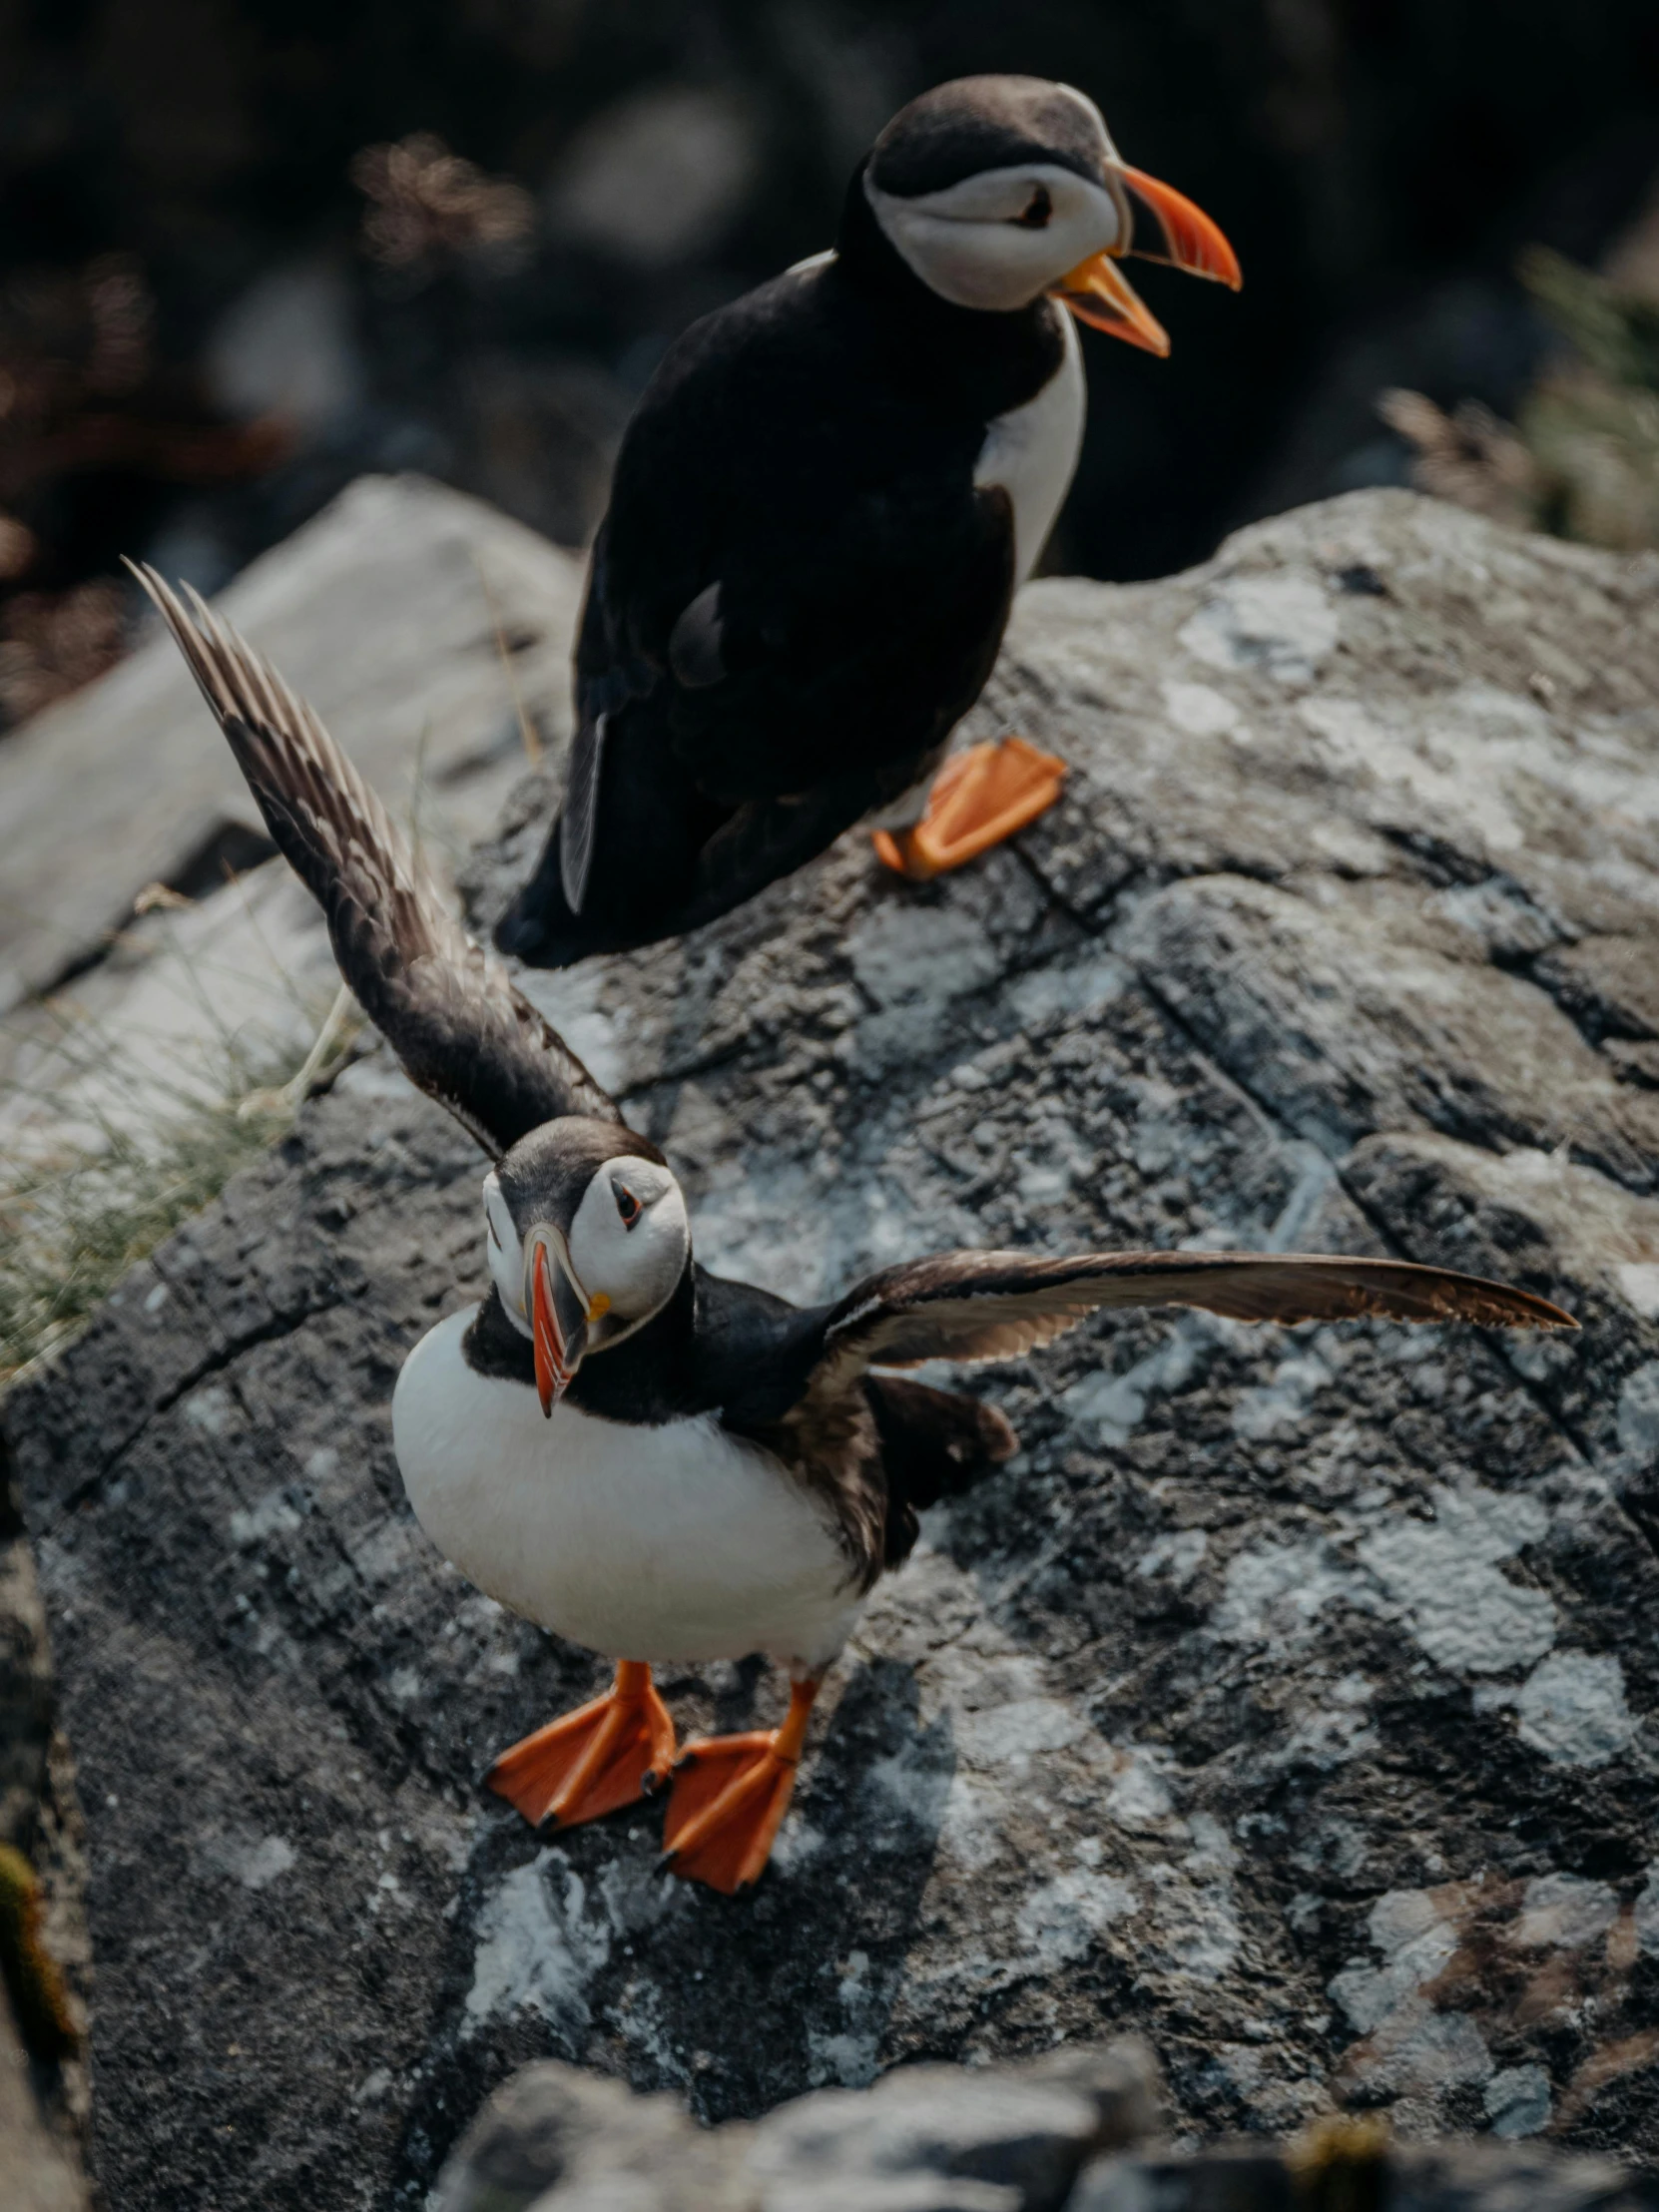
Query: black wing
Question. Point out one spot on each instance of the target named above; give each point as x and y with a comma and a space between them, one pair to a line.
447, 1009
797, 553
998, 1304
796, 595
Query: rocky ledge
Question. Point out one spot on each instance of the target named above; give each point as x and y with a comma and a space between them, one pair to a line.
1074, 2131
1287, 1700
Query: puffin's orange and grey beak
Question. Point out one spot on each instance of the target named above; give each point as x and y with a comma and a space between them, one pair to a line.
559, 1317
1100, 295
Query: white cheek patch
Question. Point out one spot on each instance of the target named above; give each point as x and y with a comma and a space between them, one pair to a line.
969, 244
636, 1268
664, 1238
504, 1253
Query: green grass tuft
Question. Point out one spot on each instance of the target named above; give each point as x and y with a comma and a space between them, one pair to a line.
71, 1227
77, 1212
1581, 458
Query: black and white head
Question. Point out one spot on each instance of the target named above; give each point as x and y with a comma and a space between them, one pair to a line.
587, 1240
996, 190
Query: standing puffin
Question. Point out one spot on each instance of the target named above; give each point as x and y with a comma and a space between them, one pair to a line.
819, 514
630, 1451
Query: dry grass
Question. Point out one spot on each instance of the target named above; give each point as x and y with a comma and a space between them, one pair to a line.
1581, 458
87, 1191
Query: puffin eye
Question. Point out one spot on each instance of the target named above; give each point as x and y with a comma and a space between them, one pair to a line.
1036, 212
627, 1205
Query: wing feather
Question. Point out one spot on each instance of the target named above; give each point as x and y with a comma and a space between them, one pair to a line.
451, 1011
579, 814
971, 1306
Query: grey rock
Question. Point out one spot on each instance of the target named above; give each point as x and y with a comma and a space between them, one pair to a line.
940, 2140
925, 2139
40, 2170
555, 2137
386, 611
42, 2099
996, 2140
1225, 2180
1478, 2178
1287, 1701
187, 1003
921, 2190
1423, 2177
422, 623
288, 345
656, 177
25, 1682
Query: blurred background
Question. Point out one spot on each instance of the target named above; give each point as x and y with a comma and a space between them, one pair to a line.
250, 249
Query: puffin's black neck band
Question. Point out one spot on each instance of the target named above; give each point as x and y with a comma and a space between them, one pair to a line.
869, 256
646, 1378
988, 359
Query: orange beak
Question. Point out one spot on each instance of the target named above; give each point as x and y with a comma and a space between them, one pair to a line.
1098, 293
1191, 240
558, 1330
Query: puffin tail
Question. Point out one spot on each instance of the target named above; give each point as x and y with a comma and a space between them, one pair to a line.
934, 1445
540, 927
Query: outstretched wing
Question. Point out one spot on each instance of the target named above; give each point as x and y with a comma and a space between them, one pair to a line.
998, 1304
447, 1009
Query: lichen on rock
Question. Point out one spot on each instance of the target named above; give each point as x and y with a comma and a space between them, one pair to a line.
1272, 1702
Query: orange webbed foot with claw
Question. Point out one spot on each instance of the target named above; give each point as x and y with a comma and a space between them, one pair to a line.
587, 1763
979, 797
730, 1796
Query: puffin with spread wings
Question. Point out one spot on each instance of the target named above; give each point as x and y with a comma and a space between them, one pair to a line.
821, 511
637, 1455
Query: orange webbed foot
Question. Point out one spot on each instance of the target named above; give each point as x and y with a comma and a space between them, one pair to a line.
729, 1797
588, 1763
978, 799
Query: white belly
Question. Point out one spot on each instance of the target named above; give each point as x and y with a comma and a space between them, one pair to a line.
1032, 452
670, 1543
